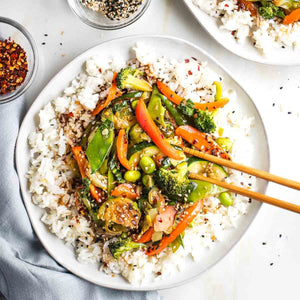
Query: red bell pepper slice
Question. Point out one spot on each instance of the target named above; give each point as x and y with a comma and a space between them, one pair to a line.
148, 125
122, 146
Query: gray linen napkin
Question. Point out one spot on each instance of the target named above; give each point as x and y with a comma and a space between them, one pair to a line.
26, 270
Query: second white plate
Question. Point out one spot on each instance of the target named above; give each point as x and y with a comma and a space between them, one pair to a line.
281, 57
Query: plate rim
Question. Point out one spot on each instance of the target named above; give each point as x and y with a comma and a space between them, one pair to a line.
258, 59
24, 188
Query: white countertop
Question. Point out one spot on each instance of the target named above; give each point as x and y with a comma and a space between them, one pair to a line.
251, 270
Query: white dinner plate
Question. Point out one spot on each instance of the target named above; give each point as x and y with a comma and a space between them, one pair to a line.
170, 47
279, 56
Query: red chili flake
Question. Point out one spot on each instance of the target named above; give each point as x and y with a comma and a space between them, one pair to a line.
186, 61
71, 114
198, 68
100, 70
190, 72
226, 5
13, 66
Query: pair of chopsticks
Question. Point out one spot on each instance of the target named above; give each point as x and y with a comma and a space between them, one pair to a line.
248, 170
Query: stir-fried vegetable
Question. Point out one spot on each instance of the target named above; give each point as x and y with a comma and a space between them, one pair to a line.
122, 146
175, 183
269, 11
122, 245
100, 145
156, 109
294, 16
112, 94
204, 121
154, 133
136, 183
201, 141
186, 218
128, 79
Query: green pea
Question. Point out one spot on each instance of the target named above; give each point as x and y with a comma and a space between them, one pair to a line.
226, 199
147, 164
132, 176
134, 104
148, 181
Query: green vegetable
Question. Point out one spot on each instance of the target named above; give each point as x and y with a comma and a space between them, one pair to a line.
138, 135
148, 181
176, 114
187, 107
155, 108
166, 163
205, 122
85, 136
288, 5
177, 243
110, 182
119, 106
269, 11
128, 79
199, 166
130, 95
174, 183
219, 90
225, 143
204, 189
104, 168
134, 104
122, 245
147, 164
132, 175
84, 195
226, 199
100, 145
114, 167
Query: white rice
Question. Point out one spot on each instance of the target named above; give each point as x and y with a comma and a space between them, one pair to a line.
263, 34
51, 171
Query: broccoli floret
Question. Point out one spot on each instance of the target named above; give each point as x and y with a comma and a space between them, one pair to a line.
128, 79
122, 245
204, 121
174, 183
269, 11
187, 107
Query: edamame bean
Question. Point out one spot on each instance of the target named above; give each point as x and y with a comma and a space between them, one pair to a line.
226, 199
147, 164
132, 176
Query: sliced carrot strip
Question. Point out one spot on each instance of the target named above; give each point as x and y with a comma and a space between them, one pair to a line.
201, 140
212, 105
146, 237
293, 17
112, 94
166, 91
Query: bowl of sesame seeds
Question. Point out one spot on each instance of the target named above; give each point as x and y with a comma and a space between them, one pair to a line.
109, 14
18, 60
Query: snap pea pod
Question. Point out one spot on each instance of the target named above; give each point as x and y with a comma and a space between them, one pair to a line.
130, 95
99, 147
176, 114
156, 109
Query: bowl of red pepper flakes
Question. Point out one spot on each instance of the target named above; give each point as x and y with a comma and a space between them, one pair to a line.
18, 60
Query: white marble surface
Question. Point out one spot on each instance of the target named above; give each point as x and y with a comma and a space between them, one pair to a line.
246, 272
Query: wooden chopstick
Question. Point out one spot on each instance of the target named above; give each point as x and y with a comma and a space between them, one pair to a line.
230, 164
249, 193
